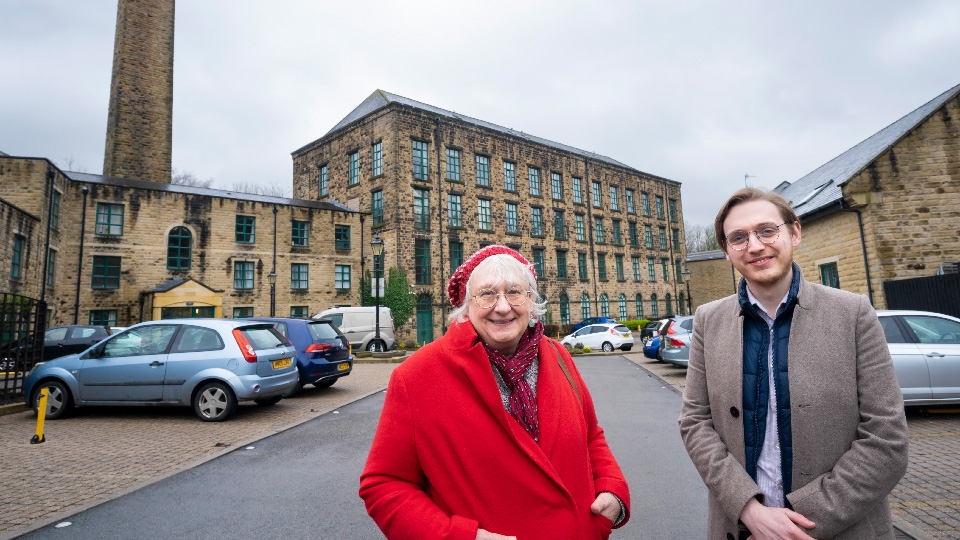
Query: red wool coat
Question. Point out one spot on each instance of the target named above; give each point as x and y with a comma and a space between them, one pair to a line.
447, 457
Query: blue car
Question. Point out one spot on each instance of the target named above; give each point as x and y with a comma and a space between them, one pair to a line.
651, 346
592, 320
323, 352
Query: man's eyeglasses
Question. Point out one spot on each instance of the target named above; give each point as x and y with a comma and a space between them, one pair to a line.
487, 298
767, 234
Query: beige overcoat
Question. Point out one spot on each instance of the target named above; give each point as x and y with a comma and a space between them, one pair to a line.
848, 426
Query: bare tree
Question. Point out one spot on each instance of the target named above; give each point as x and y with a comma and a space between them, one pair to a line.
700, 238
71, 164
187, 178
270, 190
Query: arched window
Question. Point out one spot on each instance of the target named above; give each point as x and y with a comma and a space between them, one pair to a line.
668, 303
584, 306
564, 309
622, 301
683, 304
654, 308
639, 300
179, 243
604, 305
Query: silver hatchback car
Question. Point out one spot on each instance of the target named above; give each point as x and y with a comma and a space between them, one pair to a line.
925, 348
208, 364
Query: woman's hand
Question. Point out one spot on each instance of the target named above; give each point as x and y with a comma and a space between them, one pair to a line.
606, 505
487, 535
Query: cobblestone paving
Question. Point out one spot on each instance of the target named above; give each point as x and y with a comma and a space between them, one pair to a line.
92, 456
928, 496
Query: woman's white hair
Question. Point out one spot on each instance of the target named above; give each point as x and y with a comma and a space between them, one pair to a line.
502, 269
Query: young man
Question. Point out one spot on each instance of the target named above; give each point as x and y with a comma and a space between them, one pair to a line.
792, 413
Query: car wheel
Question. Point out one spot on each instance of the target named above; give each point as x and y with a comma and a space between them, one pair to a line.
214, 402
266, 402
297, 388
607, 346
376, 346
660, 354
58, 399
326, 383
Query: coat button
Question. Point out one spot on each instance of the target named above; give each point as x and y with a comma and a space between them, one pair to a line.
735, 412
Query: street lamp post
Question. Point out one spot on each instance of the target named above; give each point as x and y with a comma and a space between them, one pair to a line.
377, 245
686, 277
272, 276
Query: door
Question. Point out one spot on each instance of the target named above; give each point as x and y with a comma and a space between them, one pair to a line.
424, 320
908, 362
130, 366
939, 342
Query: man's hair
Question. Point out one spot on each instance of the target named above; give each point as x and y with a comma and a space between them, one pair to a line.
750, 194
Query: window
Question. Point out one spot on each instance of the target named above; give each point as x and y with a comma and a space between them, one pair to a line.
323, 181
536, 221
645, 203
682, 302
665, 265
663, 238
561, 264
614, 198
376, 159
678, 271
454, 214
245, 232
51, 267
636, 267
341, 236
103, 317
511, 218
604, 305
243, 274
639, 301
354, 169
634, 239
178, 248
676, 239
376, 206
564, 309
299, 276
579, 229
602, 267
456, 256
509, 176
829, 275
421, 209
559, 229
577, 191
673, 209
16, 263
300, 311
534, 175
598, 230
422, 262
55, 210
597, 196
421, 162
341, 277
453, 164
556, 185
618, 262
582, 266
668, 305
109, 219
584, 306
242, 312
538, 262
483, 171
617, 236
654, 308
659, 207
648, 236
483, 215
631, 207
651, 270
622, 304
106, 273
300, 233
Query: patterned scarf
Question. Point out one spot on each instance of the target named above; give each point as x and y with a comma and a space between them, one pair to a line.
523, 402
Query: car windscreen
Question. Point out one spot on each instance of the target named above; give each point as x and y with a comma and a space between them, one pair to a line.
264, 337
323, 330
652, 325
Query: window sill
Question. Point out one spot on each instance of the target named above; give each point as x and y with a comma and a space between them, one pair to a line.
508, 233
452, 181
455, 227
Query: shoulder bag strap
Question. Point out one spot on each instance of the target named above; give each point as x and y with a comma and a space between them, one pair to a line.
566, 372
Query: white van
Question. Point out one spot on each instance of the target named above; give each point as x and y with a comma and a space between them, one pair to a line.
358, 324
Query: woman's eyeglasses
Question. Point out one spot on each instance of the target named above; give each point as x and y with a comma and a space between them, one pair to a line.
487, 298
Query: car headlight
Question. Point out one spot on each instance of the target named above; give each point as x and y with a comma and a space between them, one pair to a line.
35, 366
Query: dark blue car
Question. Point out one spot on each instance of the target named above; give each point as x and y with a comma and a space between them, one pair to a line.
323, 353
592, 320
651, 346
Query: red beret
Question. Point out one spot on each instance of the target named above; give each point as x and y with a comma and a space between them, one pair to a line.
457, 286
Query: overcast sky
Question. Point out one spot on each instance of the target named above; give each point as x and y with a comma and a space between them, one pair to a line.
695, 91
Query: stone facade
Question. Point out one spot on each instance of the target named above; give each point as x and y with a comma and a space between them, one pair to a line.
399, 128
140, 119
712, 277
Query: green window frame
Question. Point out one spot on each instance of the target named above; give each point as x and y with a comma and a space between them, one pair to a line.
635, 261
614, 198
673, 209
564, 309
511, 213
651, 270
341, 237
665, 266
422, 265
109, 219
631, 205
538, 263
830, 275
536, 221
323, 182
678, 271
243, 275
300, 233
648, 236
354, 169
299, 276
598, 230
561, 264
16, 259
454, 212
456, 256
634, 237
577, 191
579, 228
243, 312
421, 160
597, 196
483, 215
582, 266
645, 204
604, 305
663, 238
376, 207
617, 235
341, 277
559, 228
102, 317
622, 305
509, 176
55, 210
618, 264
299, 311
51, 267
421, 209
639, 301
584, 306
659, 207
602, 267
534, 175
676, 239
483, 171
179, 248
668, 304
556, 184
453, 164
376, 158
106, 273
654, 308
246, 229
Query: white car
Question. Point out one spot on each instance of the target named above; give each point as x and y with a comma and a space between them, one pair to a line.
605, 336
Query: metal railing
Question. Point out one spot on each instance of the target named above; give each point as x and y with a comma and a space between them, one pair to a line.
22, 324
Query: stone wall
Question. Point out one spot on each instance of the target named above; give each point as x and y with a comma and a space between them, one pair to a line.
711, 279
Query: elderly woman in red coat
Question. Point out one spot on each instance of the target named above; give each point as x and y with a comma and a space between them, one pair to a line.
489, 432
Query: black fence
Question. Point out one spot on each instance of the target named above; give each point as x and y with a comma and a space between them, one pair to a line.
22, 324
940, 294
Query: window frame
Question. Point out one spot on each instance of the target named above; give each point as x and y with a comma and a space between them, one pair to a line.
556, 186
178, 250
341, 237
107, 272
483, 170
299, 233
16, 256
533, 177
299, 276
109, 215
376, 159
342, 277
454, 210
243, 274
509, 176
453, 165
484, 222
242, 224
421, 209
421, 160
354, 169
376, 208
510, 213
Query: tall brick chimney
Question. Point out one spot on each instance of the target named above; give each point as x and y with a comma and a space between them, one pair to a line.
140, 121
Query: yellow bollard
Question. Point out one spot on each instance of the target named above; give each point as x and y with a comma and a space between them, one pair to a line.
41, 413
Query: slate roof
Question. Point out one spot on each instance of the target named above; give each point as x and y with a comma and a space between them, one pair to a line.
380, 99
822, 187
205, 192
705, 255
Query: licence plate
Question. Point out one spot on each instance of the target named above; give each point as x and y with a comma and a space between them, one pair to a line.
625, 335
282, 363
343, 366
